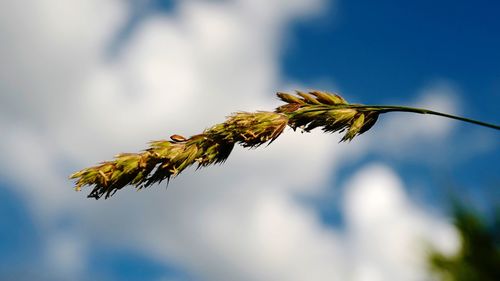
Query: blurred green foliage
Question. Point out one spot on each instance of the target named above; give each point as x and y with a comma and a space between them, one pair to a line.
478, 258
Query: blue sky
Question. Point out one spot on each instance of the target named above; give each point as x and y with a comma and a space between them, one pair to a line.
108, 76
380, 52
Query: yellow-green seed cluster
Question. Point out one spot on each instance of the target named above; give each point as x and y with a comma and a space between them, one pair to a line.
328, 111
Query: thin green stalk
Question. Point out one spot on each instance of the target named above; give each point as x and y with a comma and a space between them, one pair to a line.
396, 108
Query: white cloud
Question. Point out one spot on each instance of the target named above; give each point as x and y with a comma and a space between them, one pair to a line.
179, 74
46, 49
65, 255
389, 233
401, 135
408, 128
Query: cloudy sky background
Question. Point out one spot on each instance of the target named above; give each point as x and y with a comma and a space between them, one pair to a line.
82, 80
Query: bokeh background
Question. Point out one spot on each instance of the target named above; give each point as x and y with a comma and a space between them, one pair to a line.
82, 80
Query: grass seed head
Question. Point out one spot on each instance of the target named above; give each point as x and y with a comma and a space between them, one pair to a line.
328, 111
165, 159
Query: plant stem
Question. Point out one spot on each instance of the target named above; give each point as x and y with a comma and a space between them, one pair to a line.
395, 108
392, 108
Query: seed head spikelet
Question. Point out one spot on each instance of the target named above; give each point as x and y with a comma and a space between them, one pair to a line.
331, 112
165, 159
